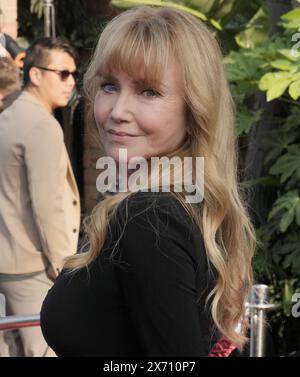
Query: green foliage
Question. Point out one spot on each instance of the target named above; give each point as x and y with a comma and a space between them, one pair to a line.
288, 65
37, 7
275, 83
281, 81
256, 31
270, 65
291, 20
30, 23
160, 3
288, 165
243, 71
279, 141
287, 209
228, 16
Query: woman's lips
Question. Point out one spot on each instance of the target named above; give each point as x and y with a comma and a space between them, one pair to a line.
119, 137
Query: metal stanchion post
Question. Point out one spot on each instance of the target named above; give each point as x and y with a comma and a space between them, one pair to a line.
2, 306
49, 17
19, 321
16, 321
258, 306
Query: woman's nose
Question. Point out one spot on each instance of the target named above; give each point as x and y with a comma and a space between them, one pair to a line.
122, 108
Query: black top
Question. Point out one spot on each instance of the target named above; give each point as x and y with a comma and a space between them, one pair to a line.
142, 296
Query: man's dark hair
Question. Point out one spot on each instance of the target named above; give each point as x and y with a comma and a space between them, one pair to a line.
38, 54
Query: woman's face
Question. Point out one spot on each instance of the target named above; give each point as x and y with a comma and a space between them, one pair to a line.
147, 122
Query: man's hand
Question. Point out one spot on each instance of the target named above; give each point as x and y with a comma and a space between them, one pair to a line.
51, 273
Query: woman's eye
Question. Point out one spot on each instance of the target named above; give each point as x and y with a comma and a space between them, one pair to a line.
108, 87
150, 93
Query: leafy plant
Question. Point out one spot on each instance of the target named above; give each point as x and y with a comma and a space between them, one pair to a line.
272, 67
172, 4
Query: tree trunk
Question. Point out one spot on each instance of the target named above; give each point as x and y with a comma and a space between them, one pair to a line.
102, 9
257, 147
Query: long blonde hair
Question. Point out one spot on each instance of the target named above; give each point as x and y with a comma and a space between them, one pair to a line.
147, 37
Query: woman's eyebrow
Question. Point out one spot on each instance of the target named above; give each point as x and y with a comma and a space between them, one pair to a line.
137, 83
146, 84
108, 77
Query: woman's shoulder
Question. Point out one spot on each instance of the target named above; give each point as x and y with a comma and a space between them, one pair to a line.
162, 207
158, 218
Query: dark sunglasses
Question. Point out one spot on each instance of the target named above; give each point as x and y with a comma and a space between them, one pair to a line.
64, 74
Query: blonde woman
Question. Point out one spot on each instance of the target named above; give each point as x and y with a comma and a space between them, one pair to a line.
161, 275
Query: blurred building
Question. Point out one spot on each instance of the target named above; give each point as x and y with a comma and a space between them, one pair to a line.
8, 17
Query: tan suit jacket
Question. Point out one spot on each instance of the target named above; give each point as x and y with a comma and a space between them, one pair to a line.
39, 200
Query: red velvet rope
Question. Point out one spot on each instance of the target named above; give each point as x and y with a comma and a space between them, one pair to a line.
223, 348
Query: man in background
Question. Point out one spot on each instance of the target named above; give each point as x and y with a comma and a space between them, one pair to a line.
40, 208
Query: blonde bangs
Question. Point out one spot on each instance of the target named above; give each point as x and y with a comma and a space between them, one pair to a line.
142, 51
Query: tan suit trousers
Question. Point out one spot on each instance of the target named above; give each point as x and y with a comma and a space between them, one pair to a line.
25, 297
